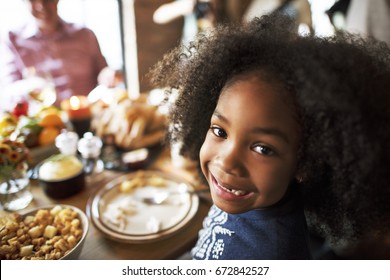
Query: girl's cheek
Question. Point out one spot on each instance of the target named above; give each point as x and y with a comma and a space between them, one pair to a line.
203, 152
206, 153
202, 160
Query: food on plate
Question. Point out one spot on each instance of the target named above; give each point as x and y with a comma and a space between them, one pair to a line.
60, 167
140, 180
128, 185
153, 224
47, 235
135, 158
157, 181
122, 210
134, 124
117, 213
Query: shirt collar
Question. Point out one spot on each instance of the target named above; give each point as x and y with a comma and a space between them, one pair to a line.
31, 29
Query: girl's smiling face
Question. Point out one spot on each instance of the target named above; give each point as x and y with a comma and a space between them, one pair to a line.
249, 154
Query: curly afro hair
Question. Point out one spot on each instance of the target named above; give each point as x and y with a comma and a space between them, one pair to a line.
340, 85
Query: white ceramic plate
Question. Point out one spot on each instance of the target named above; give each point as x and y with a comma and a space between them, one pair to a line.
123, 216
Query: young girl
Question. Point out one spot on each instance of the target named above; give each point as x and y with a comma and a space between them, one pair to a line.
286, 129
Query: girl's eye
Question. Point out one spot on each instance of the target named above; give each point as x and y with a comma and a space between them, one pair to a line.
219, 132
264, 150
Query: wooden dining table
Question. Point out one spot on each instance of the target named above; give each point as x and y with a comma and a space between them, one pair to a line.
98, 246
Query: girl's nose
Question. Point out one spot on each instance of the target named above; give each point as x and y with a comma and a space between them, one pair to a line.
231, 160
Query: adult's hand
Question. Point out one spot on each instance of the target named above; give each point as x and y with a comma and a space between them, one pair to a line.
110, 77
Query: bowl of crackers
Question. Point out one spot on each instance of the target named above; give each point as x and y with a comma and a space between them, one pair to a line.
54, 232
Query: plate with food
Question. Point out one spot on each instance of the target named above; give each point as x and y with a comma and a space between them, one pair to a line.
133, 124
143, 206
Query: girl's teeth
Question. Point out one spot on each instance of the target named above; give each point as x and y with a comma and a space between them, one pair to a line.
235, 192
238, 192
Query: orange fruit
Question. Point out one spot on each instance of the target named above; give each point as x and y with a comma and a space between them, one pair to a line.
51, 119
47, 110
48, 135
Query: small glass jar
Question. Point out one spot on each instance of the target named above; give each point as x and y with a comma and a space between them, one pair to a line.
15, 189
66, 142
90, 148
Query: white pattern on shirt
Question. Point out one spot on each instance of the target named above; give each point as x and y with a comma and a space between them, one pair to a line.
208, 246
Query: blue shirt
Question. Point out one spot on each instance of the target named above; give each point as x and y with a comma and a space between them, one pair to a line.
276, 232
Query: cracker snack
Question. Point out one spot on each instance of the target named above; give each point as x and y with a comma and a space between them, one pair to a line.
48, 235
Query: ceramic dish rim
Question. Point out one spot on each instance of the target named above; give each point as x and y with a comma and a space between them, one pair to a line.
93, 210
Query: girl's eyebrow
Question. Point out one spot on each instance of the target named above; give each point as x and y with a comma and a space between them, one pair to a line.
259, 130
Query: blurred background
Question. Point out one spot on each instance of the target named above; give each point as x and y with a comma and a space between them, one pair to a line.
119, 123
134, 34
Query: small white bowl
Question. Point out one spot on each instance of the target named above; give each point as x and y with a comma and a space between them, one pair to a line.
67, 184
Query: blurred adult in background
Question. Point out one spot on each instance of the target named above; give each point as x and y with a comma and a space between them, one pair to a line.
368, 18
337, 14
49, 51
298, 10
221, 11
